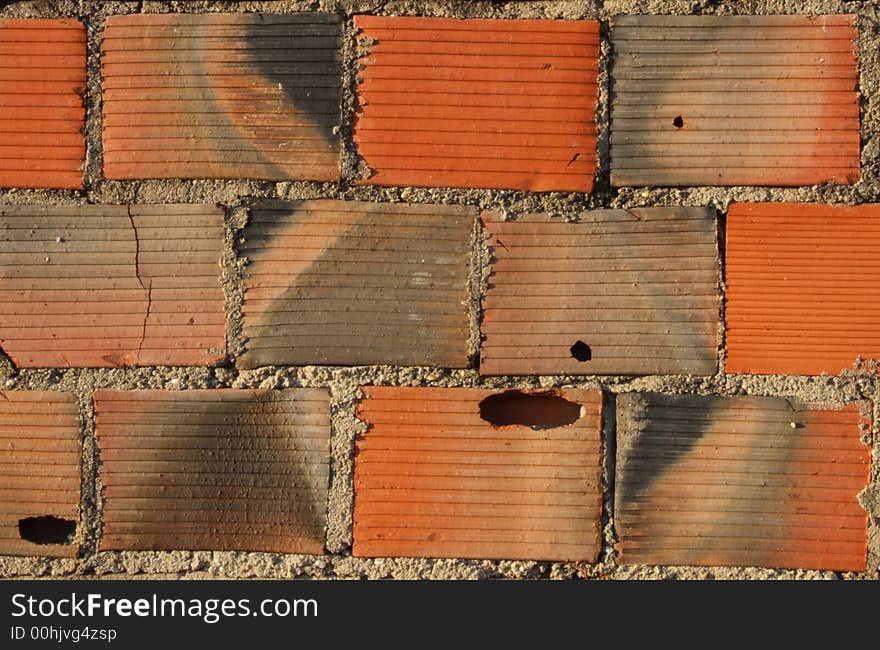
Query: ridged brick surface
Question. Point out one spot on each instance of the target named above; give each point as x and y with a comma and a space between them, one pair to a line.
42, 84
798, 280
734, 100
111, 285
40, 452
214, 469
433, 479
347, 283
635, 290
740, 481
222, 96
478, 103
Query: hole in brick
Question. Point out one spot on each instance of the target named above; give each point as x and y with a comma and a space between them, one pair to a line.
544, 410
581, 351
46, 530
678, 121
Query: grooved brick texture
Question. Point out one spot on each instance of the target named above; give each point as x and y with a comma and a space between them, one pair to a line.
433, 479
734, 100
617, 292
223, 469
40, 452
798, 277
222, 96
347, 283
506, 104
42, 84
740, 481
111, 285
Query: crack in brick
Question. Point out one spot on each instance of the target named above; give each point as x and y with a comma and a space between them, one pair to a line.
148, 288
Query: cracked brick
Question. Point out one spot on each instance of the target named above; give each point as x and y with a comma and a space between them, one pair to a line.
111, 286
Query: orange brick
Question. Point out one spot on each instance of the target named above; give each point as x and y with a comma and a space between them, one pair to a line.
40, 452
109, 286
734, 100
504, 104
435, 479
618, 292
799, 279
42, 84
349, 282
223, 469
243, 95
740, 481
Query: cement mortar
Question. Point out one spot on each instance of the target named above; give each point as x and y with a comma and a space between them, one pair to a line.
344, 383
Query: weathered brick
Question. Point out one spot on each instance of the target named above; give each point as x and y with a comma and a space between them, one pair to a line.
224, 469
433, 478
40, 452
42, 83
222, 96
618, 292
346, 283
478, 103
113, 285
734, 100
740, 481
799, 279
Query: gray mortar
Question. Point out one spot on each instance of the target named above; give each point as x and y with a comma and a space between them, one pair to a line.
237, 195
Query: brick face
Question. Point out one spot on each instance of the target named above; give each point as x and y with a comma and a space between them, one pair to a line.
222, 96
214, 469
40, 451
734, 100
434, 479
506, 104
111, 286
619, 291
798, 276
42, 84
348, 283
740, 481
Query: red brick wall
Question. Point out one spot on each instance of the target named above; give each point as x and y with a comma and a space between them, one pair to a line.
502, 292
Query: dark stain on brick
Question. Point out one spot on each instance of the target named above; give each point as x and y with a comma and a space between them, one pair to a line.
740, 481
734, 100
307, 99
616, 292
222, 96
634, 432
349, 283
218, 469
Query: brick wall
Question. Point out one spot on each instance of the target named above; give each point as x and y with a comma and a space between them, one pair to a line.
527, 289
